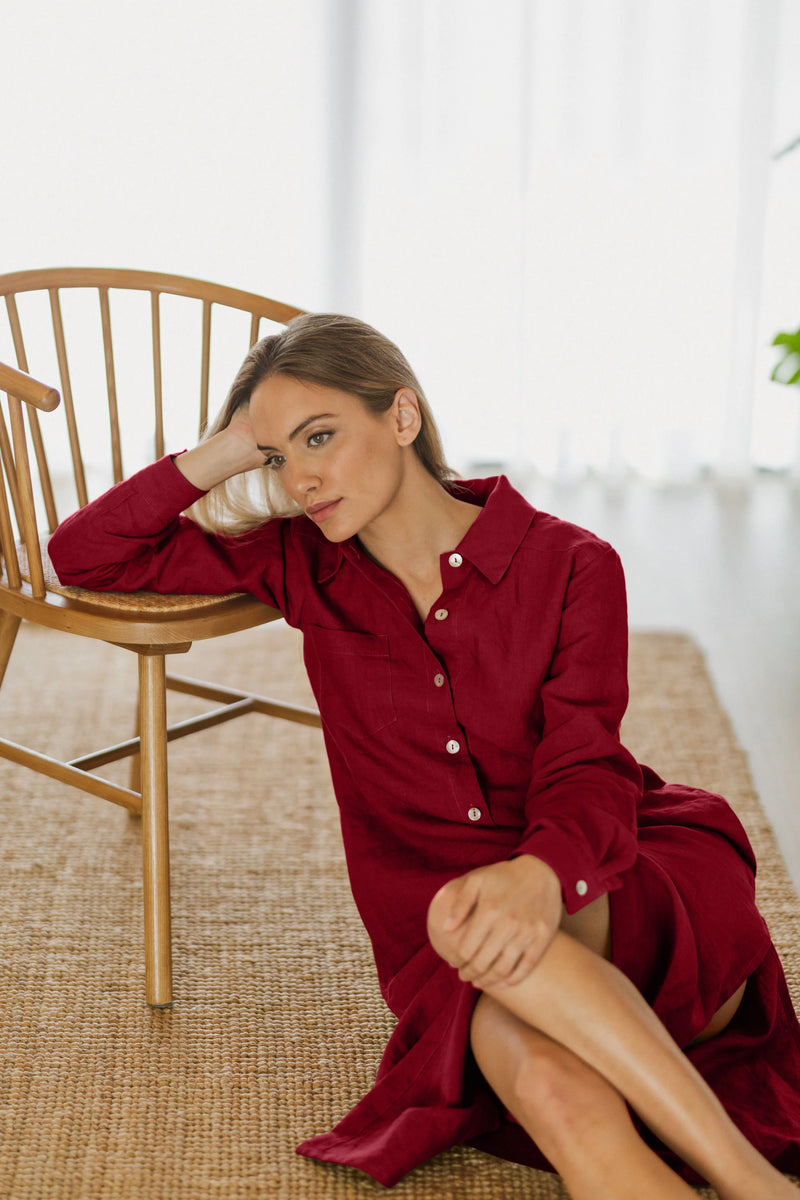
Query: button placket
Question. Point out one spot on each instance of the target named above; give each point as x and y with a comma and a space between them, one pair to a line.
468, 802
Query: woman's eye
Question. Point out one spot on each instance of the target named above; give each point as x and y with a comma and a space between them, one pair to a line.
274, 461
318, 439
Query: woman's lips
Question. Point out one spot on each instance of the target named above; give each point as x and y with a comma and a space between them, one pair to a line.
320, 512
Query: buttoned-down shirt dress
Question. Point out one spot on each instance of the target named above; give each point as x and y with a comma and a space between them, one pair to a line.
488, 730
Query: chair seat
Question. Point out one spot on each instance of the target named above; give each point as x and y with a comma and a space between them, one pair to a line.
131, 617
153, 604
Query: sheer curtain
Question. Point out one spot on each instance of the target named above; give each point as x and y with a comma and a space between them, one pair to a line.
567, 212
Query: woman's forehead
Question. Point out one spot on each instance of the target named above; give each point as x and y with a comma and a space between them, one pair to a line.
280, 403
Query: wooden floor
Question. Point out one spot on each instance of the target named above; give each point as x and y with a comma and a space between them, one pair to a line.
722, 563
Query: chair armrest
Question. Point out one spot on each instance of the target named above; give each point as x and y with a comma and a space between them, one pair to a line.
26, 388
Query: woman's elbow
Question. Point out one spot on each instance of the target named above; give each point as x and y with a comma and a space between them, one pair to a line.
64, 549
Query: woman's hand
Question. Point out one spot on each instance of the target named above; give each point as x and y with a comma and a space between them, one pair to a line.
226, 453
495, 923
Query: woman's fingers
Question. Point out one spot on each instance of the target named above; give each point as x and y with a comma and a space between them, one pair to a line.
525, 963
489, 968
507, 953
494, 923
484, 936
459, 898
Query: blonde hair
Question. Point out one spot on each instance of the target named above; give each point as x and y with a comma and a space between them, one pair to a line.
332, 351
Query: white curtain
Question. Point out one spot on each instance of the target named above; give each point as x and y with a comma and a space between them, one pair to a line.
561, 209
565, 211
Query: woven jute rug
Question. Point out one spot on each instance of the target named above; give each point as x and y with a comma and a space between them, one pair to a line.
278, 1025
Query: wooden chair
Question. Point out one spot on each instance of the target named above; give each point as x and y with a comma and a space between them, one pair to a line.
152, 626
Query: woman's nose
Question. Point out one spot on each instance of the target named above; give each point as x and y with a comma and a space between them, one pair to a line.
304, 480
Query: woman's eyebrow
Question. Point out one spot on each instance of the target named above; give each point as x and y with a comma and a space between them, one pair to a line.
299, 429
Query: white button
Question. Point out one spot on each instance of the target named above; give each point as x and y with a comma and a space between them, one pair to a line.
441, 614
474, 814
581, 887
455, 560
453, 746
439, 680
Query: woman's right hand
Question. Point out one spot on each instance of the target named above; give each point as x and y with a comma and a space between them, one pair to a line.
226, 453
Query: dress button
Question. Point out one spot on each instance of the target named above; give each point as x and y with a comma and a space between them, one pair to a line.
453, 746
455, 560
441, 614
581, 887
474, 814
439, 680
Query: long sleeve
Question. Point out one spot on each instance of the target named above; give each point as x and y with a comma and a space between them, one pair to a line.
134, 538
585, 787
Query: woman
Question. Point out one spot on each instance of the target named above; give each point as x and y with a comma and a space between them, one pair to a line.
559, 932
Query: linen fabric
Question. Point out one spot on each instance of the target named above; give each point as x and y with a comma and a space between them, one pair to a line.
488, 730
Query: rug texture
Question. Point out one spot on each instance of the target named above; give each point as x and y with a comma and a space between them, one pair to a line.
278, 1024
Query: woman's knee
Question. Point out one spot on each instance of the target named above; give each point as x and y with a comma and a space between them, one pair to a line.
557, 1094
550, 1091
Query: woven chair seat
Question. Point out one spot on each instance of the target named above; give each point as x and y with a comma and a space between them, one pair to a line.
147, 603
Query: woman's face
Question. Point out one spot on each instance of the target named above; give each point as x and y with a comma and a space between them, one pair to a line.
343, 465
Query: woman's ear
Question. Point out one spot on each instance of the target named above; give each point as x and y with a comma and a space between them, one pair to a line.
406, 416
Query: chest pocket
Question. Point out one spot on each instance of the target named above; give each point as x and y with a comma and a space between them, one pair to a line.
352, 677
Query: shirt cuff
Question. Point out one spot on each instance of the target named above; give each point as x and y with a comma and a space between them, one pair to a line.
582, 878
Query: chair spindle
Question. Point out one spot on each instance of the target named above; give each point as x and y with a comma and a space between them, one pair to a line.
155, 315
45, 482
111, 385
66, 391
7, 456
8, 542
30, 532
205, 367
33, 419
255, 321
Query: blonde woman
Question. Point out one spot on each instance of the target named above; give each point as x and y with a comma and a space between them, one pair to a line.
571, 946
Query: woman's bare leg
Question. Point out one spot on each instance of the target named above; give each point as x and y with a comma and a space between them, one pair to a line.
589, 1007
577, 1119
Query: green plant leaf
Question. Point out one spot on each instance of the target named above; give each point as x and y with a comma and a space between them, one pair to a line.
786, 365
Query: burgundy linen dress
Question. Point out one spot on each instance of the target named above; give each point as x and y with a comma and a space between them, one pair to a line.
488, 730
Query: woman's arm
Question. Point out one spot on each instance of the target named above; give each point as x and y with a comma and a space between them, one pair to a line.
134, 537
229, 452
581, 804
585, 786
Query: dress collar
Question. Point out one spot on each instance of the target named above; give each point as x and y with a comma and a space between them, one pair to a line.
489, 544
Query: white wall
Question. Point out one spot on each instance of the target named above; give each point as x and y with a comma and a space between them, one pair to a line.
179, 135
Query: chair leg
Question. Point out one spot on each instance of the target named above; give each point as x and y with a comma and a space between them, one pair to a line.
135, 776
155, 830
9, 627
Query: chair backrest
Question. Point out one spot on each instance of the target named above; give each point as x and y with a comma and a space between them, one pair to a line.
134, 353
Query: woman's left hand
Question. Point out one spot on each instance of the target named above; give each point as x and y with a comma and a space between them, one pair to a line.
495, 923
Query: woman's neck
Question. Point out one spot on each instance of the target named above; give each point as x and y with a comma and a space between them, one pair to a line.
426, 522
